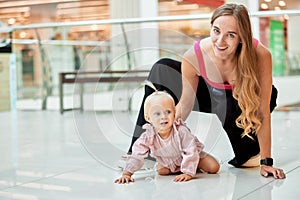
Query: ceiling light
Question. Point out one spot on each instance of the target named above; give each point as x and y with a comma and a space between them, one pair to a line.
23, 34
264, 6
277, 8
281, 3
11, 21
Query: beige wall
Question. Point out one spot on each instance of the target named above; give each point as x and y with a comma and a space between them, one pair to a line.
4, 81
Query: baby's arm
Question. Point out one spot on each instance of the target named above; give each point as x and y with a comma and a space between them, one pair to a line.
190, 153
125, 178
135, 161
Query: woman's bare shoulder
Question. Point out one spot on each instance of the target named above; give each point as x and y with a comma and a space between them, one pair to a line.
262, 51
190, 61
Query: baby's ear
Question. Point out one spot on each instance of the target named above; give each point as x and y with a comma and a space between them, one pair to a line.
147, 118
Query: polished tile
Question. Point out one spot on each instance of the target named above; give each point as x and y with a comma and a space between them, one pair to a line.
48, 156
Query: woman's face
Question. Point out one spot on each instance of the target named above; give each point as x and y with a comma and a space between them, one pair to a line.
224, 36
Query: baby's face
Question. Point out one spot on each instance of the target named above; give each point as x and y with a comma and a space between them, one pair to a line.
161, 114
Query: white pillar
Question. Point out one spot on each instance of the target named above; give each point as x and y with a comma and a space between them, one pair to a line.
142, 38
253, 6
150, 33
293, 30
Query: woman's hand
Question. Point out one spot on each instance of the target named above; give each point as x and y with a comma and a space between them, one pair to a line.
126, 178
269, 170
182, 177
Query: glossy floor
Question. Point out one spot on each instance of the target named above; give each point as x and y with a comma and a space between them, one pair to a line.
48, 156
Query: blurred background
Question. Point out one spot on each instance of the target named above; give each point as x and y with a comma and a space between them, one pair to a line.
42, 38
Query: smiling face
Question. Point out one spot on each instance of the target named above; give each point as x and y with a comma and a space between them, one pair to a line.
224, 36
160, 112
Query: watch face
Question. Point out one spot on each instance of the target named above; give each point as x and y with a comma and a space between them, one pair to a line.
267, 161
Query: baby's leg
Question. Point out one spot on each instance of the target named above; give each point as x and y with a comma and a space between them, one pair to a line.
209, 164
161, 170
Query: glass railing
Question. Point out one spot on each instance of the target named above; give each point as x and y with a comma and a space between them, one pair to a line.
121, 44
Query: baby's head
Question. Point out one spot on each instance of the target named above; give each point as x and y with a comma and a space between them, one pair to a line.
159, 110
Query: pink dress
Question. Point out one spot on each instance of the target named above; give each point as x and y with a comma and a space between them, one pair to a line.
181, 151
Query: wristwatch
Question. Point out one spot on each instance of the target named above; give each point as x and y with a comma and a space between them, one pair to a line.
267, 161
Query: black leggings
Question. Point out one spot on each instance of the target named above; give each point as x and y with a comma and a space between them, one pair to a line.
166, 75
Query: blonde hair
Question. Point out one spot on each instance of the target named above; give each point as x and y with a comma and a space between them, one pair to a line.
156, 95
246, 89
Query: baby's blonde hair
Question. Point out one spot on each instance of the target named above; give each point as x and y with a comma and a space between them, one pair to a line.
156, 95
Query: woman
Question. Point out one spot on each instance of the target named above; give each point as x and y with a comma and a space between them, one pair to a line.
229, 74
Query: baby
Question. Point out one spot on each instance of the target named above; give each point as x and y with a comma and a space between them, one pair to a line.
170, 142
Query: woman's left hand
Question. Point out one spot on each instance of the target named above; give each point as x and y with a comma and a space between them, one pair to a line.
269, 170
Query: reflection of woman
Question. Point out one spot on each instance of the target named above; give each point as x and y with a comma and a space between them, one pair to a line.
230, 74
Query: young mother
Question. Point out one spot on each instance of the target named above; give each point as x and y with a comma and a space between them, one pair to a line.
229, 74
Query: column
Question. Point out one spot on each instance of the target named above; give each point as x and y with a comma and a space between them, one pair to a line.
134, 45
293, 29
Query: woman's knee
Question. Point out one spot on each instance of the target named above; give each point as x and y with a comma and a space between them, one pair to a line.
166, 75
166, 61
165, 64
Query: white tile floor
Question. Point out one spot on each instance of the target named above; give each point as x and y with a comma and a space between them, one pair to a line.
48, 156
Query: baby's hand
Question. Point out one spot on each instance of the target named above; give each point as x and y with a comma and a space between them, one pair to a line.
126, 178
182, 177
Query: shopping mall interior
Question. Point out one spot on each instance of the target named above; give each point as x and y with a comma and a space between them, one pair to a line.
71, 86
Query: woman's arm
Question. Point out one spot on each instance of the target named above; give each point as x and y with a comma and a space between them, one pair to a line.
190, 79
265, 80
264, 133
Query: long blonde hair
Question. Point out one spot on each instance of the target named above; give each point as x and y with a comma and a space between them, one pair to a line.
246, 89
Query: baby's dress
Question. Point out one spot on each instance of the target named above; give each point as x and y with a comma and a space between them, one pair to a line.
179, 152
